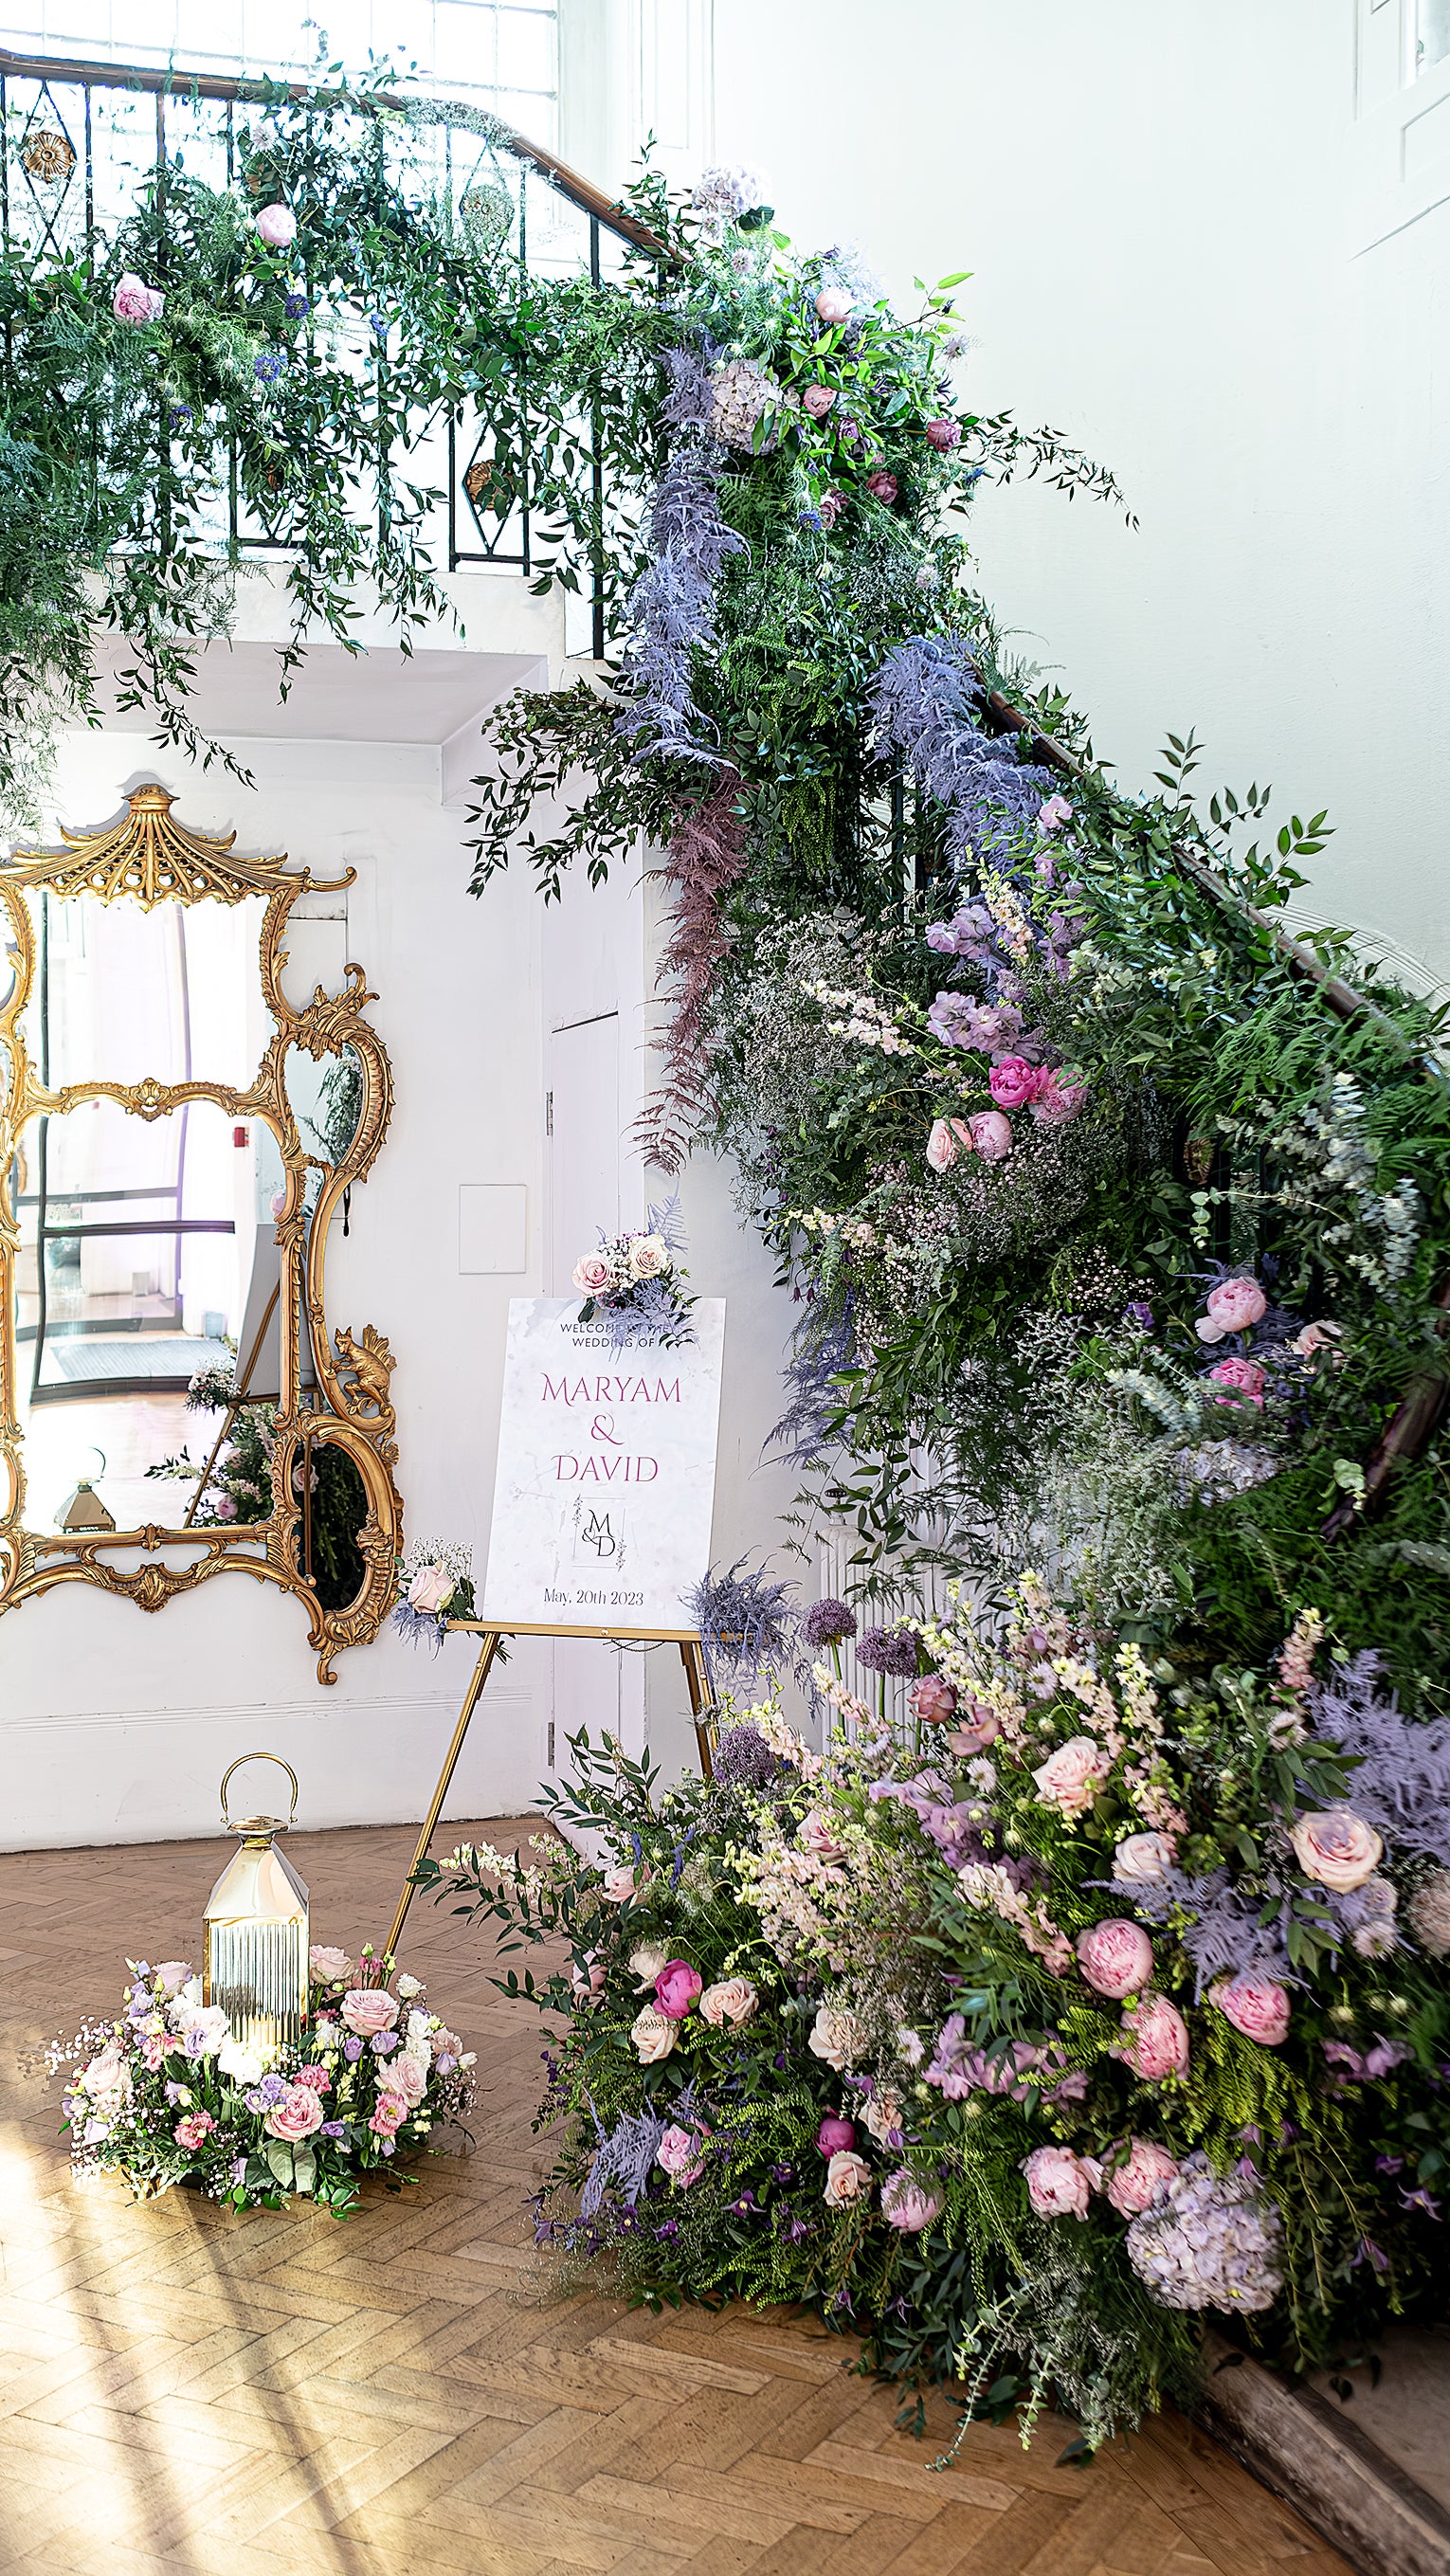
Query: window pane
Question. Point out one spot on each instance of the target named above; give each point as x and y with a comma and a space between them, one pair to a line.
1433, 31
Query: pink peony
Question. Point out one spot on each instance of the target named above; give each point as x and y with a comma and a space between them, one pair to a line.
191, 2131
942, 435
1057, 2182
1244, 1377
679, 2154
833, 306
933, 1701
134, 301
620, 1884
315, 2077
1338, 1850
833, 2134
1014, 1082
1256, 2006
388, 2117
278, 227
592, 1275
906, 2204
1135, 2185
991, 1134
818, 400
1053, 813
1071, 1777
884, 485
296, 2116
1057, 1103
678, 1989
815, 1835
1237, 1303
733, 2000
1116, 1957
1155, 2039
848, 2178
368, 2010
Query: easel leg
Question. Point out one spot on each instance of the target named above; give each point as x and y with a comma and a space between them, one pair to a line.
697, 1681
487, 1650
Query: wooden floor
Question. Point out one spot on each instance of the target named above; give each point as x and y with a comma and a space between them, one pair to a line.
206, 2394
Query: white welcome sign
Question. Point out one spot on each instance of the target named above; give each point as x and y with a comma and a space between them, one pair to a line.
605, 1487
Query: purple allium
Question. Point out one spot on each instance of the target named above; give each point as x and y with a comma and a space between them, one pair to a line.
826, 1623
889, 1650
743, 1759
1208, 2242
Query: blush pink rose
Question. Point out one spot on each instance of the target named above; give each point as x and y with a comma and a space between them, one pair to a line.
848, 2178
329, 1967
982, 1727
591, 1274
1242, 1377
1237, 1303
906, 2204
1338, 1849
833, 306
815, 1835
652, 2035
1256, 2006
883, 485
134, 301
171, 1976
408, 2078
431, 1590
679, 2154
933, 1701
278, 227
942, 435
833, 2134
296, 2116
1053, 813
368, 2010
191, 2131
1142, 1856
1135, 2185
818, 400
1155, 2039
622, 1883
991, 1134
1056, 1104
1071, 1777
678, 1989
733, 2000
1014, 1082
1057, 2182
949, 1138
1116, 1958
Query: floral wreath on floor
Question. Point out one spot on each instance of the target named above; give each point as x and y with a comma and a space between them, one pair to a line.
166, 2095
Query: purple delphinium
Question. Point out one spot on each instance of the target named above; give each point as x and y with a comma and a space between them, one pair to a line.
889, 1650
826, 1623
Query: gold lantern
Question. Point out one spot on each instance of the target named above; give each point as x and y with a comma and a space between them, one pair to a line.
254, 1930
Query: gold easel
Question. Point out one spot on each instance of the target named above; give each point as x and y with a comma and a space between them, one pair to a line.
692, 1656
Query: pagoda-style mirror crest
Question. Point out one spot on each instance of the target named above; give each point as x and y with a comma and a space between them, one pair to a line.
180, 1128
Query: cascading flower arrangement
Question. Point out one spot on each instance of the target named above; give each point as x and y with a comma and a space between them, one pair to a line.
166, 2094
634, 1285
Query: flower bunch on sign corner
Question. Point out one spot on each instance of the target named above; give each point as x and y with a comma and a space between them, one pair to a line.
633, 1286
167, 2094
435, 1582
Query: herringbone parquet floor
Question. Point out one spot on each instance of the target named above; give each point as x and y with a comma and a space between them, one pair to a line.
185, 2392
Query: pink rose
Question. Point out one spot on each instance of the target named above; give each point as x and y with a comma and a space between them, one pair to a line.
883, 485
833, 306
1256, 2006
733, 2000
1057, 1103
1237, 1303
906, 2204
134, 301
991, 1134
592, 1274
1135, 2185
982, 1727
1318, 1337
278, 227
315, 2077
1057, 2182
408, 2078
388, 2116
1070, 1778
1243, 1377
949, 1138
590, 1980
191, 2131
942, 435
226, 1508
368, 2010
830, 505
1014, 1082
1338, 1850
328, 1967
815, 1835
431, 1590
678, 1989
679, 2154
1053, 813
848, 2178
1116, 1957
296, 2116
622, 1883
1140, 1856
1155, 2039
932, 1701
818, 400
171, 1976
833, 2134
652, 2035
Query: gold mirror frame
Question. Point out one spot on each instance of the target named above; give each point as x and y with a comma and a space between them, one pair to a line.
147, 858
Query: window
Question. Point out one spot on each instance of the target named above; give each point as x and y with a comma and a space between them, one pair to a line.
1432, 33
502, 53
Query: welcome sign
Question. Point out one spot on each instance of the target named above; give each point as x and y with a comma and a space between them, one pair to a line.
606, 1471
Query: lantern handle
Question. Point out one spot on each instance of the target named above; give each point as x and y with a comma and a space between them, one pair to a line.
227, 1825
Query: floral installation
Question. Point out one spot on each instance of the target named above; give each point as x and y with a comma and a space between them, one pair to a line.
166, 2095
435, 1584
634, 1285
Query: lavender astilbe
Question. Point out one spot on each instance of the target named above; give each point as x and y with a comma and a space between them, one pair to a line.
746, 1624
672, 605
1223, 1934
923, 700
1400, 1783
1210, 2241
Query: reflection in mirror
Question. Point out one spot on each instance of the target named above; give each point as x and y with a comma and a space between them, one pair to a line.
334, 1506
119, 993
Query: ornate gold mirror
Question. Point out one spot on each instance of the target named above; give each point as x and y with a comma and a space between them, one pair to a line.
176, 1138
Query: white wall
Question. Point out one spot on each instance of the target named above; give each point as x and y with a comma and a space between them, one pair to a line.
1211, 243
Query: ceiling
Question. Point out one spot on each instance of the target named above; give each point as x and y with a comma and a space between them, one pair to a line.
380, 696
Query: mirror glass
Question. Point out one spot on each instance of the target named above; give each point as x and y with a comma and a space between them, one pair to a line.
118, 993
